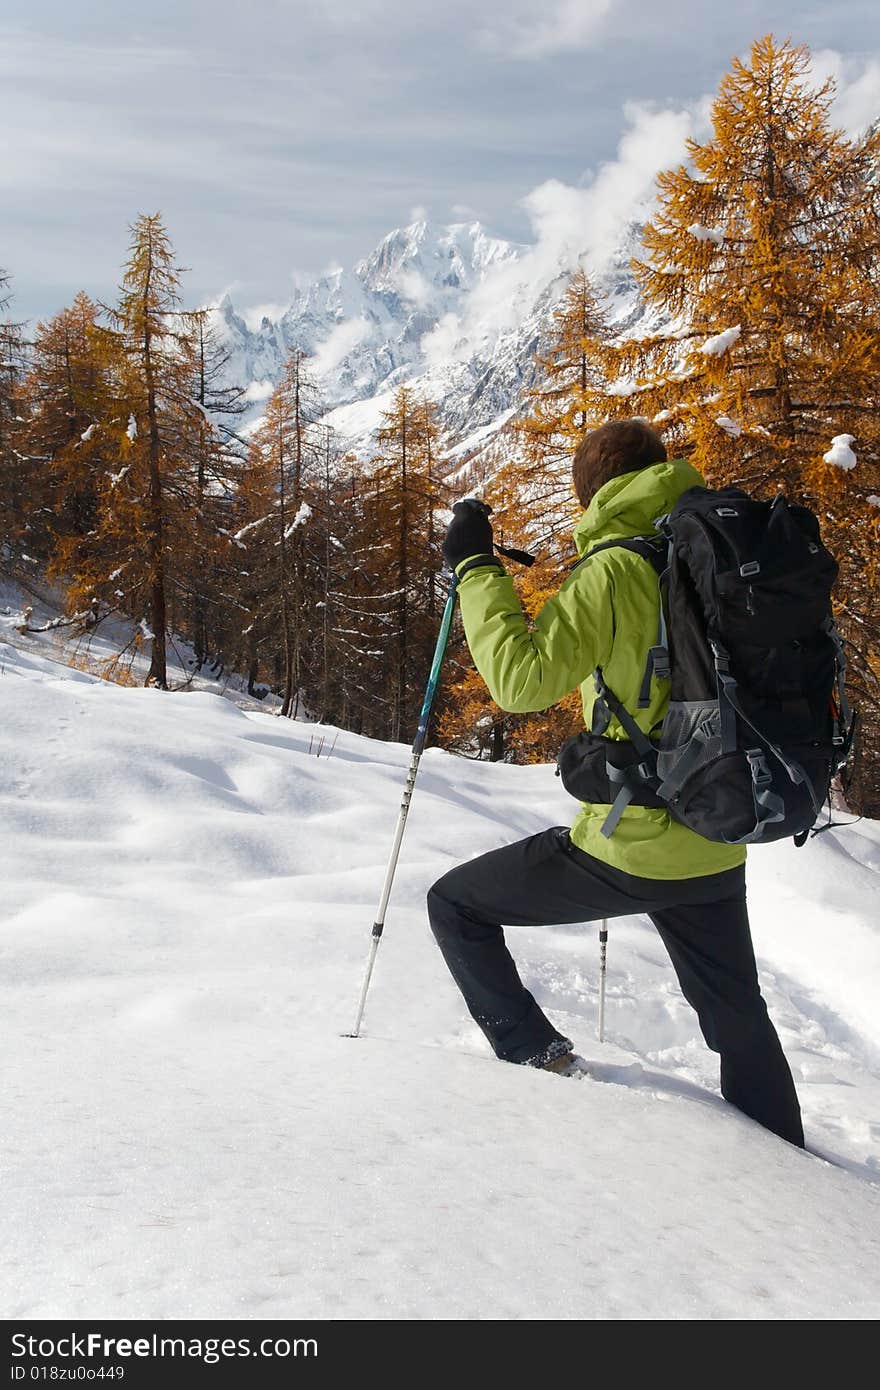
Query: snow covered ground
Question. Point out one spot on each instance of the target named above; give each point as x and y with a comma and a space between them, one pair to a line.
32, 618
187, 900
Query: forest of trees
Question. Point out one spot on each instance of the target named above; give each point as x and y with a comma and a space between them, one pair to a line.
278, 554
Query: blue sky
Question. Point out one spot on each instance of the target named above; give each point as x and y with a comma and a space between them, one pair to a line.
281, 137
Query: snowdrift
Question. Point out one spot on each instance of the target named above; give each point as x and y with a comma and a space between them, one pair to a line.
188, 893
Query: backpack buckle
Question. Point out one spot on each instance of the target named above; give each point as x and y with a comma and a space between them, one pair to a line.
749, 568
761, 775
722, 660
660, 662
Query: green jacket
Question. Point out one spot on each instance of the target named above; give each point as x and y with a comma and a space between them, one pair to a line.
605, 614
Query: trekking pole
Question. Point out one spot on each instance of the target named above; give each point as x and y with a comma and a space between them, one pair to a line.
417, 750
603, 946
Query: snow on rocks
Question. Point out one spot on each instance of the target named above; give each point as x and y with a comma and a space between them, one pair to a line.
452, 311
719, 344
131, 429
188, 898
840, 454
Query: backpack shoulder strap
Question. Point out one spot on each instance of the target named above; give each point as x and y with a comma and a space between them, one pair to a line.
649, 547
656, 551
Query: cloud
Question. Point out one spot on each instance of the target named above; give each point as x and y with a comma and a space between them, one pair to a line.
259, 390
572, 225
299, 138
536, 29
857, 101
584, 224
419, 213
624, 188
255, 313
413, 287
448, 340
335, 348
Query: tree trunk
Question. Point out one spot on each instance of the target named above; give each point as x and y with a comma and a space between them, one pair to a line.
199, 615
158, 675
429, 472
402, 581
253, 664
328, 549
862, 787
287, 696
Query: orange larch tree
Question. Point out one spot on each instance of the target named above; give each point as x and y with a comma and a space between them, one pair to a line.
65, 400
218, 459
763, 255
147, 516
403, 553
532, 492
284, 463
535, 508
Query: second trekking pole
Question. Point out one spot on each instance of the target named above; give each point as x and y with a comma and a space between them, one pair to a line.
603, 948
417, 750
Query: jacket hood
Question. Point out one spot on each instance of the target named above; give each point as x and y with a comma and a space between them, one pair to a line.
627, 506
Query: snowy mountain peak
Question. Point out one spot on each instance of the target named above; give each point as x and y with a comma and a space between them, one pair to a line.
448, 257
446, 305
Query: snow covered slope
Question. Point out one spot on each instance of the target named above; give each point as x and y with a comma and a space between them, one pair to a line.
33, 619
188, 894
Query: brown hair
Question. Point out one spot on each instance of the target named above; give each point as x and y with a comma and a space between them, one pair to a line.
621, 446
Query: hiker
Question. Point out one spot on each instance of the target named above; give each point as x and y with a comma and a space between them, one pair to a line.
693, 889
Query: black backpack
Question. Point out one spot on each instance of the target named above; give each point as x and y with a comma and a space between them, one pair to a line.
758, 722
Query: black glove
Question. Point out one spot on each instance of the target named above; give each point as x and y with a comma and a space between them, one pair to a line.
470, 533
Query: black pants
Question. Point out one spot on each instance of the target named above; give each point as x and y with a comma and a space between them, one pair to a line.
703, 922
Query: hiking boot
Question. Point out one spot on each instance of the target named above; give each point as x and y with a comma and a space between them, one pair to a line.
569, 1064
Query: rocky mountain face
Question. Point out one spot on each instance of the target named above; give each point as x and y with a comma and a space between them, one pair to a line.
451, 309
